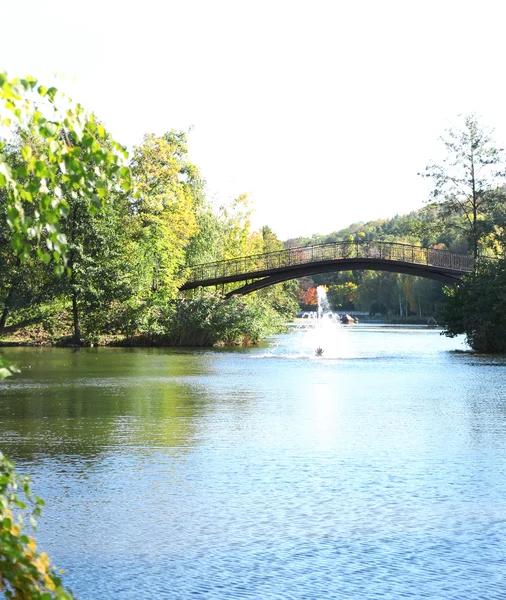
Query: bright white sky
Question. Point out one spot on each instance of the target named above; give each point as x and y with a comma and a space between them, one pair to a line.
323, 111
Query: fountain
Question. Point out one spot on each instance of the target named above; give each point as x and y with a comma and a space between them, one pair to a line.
317, 337
323, 303
326, 331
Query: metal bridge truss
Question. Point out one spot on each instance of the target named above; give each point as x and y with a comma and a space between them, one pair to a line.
275, 267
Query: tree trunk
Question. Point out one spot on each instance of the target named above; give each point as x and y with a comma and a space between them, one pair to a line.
5, 313
75, 312
3, 319
475, 210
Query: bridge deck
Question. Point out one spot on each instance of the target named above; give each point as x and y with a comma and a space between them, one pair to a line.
296, 262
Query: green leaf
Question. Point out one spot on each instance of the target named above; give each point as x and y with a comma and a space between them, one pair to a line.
30, 82
51, 92
49, 129
16, 242
41, 169
54, 146
26, 152
7, 368
21, 172
87, 141
6, 170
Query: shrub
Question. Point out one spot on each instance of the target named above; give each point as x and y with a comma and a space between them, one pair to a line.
208, 319
24, 573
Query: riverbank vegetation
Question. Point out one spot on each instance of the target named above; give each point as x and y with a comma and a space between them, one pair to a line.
126, 262
94, 244
466, 213
470, 183
25, 572
110, 271
477, 308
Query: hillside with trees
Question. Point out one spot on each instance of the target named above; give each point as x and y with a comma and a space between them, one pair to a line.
383, 294
466, 213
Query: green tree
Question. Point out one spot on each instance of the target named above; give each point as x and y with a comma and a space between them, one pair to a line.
467, 180
237, 238
100, 270
477, 308
205, 245
342, 296
21, 280
380, 287
164, 210
74, 156
62, 146
95, 253
270, 241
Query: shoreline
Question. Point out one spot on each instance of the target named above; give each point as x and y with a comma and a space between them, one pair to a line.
64, 342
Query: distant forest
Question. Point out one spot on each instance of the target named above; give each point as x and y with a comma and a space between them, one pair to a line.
383, 293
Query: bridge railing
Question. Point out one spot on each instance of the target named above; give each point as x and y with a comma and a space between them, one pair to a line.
332, 251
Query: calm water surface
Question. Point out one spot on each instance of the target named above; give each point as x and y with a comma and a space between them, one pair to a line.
377, 471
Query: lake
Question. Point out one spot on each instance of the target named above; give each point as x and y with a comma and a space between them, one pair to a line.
374, 471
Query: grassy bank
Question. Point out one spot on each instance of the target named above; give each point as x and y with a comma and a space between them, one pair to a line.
201, 321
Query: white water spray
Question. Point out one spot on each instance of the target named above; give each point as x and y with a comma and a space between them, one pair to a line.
328, 331
323, 303
318, 336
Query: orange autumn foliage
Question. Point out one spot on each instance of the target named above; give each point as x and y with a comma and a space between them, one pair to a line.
310, 297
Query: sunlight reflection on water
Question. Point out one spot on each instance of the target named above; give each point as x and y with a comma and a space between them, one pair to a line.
375, 471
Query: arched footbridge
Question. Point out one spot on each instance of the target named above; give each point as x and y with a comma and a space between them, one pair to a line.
261, 270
